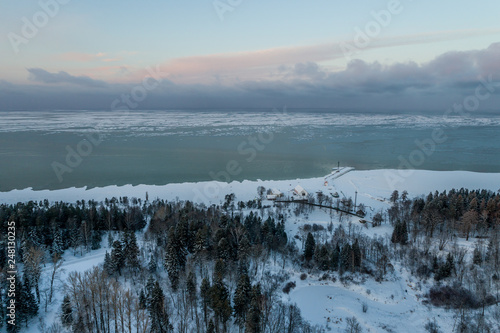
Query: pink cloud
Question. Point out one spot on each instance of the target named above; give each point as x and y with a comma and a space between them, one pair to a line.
264, 64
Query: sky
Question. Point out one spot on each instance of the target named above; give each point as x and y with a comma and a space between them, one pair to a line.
388, 55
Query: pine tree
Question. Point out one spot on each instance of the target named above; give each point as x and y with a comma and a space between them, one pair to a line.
219, 271
58, 244
446, 269
244, 248
95, 239
160, 322
175, 259
172, 266
152, 265
335, 258
254, 314
345, 258
224, 250
220, 303
117, 257
396, 233
150, 284
191, 287
110, 239
108, 264
31, 302
241, 299
403, 237
356, 254
205, 297
309, 247
26, 304
182, 233
322, 258
132, 252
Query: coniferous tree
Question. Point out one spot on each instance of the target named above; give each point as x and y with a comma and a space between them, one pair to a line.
200, 241
150, 284
95, 239
33, 258
191, 289
220, 303
29, 305
175, 259
346, 258
403, 237
446, 269
160, 322
244, 248
117, 257
182, 232
108, 264
132, 251
205, 297
152, 265
219, 270
356, 254
309, 247
396, 233
254, 317
242, 298
224, 250
335, 257
322, 258
58, 244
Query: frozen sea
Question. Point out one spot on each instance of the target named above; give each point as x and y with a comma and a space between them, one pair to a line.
61, 149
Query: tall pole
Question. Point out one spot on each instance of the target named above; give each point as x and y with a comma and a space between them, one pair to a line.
355, 200
338, 166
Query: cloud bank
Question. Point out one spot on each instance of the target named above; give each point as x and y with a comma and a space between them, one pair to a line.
361, 85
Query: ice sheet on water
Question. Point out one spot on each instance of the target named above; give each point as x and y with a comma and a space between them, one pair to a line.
151, 123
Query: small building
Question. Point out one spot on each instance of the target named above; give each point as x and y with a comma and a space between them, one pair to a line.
274, 194
299, 193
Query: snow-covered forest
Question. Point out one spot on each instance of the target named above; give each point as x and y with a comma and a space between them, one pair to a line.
424, 264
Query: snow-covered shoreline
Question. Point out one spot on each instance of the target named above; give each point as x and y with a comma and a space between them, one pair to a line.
373, 187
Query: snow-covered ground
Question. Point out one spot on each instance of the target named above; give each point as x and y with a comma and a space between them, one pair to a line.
373, 186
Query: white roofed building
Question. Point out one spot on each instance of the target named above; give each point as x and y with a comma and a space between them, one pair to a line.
299, 193
274, 194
